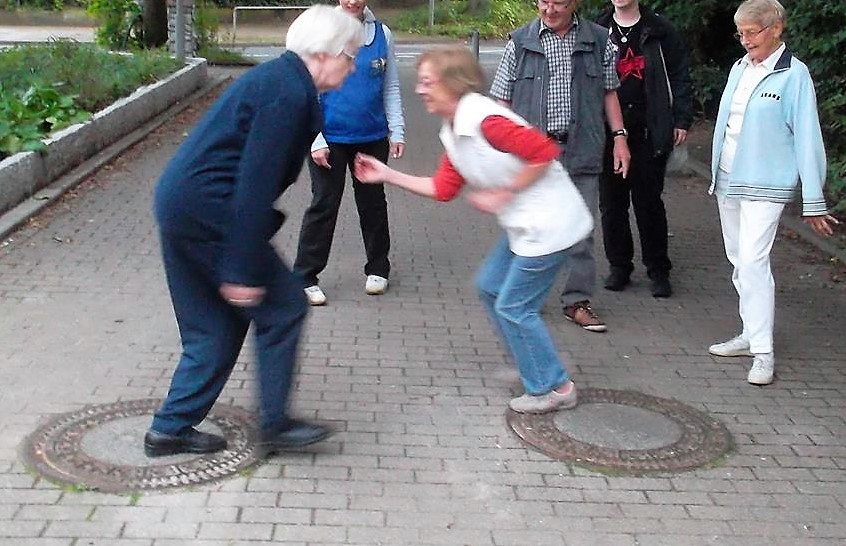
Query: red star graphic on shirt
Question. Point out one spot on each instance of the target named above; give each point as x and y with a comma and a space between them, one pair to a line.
631, 66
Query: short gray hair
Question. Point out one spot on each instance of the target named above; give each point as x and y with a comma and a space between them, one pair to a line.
323, 29
765, 12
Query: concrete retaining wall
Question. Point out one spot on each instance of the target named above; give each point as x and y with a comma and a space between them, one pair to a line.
23, 174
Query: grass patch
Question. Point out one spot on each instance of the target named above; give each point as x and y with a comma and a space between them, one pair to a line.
218, 56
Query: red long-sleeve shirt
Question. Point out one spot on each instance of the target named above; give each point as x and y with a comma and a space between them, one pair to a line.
505, 135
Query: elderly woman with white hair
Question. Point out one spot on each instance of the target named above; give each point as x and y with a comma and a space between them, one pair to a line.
767, 141
215, 209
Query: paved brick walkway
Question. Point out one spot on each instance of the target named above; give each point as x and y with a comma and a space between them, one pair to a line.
409, 379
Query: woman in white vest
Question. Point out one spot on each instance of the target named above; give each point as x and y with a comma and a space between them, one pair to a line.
511, 170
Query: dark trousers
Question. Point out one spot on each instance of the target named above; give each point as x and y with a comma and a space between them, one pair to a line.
327, 186
642, 189
212, 333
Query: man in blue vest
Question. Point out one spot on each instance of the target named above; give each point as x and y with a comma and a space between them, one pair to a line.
364, 115
558, 72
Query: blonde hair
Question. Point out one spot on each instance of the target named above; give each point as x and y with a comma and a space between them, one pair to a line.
323, 29
457, 68
764, 12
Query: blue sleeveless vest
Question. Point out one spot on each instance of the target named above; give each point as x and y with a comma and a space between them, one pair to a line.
355, 112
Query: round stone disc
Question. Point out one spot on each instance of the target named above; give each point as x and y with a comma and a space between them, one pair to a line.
626, 431
102, 448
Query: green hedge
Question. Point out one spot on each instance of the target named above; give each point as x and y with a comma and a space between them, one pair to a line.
456, 18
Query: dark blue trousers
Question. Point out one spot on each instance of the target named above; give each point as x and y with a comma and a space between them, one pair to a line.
213, 333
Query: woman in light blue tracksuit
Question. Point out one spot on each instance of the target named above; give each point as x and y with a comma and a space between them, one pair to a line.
767, 141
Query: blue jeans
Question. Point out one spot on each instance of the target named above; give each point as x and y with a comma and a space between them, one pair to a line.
513, 289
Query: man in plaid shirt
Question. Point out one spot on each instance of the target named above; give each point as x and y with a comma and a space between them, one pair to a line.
558, 72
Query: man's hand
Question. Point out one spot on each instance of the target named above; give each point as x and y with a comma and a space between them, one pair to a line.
321, 157
679, 137
242, 296
622, 156
397, 149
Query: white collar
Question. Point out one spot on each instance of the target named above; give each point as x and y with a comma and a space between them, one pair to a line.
770, 62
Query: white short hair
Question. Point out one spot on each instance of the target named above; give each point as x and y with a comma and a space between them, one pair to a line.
764, 12
323, 29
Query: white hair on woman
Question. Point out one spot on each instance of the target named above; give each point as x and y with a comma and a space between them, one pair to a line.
763, 12
323, 29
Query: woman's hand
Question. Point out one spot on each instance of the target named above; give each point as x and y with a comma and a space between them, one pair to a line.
490, 200
242, 296
369, 169
822, 224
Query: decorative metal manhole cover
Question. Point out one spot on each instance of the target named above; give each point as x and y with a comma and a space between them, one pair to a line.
626, 431
101, 448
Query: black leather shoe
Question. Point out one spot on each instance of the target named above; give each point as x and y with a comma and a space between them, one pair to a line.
617, 280
159, 444
295, 434
661, 287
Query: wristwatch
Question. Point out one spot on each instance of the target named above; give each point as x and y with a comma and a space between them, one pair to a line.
620, 132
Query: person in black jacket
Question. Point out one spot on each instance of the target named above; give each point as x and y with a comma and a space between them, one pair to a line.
214, 206
655, 95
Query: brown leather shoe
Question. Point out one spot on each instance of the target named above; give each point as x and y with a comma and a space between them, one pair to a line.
582, 314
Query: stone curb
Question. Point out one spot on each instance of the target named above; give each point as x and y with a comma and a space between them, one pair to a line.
24, 173
18, 215
791, 222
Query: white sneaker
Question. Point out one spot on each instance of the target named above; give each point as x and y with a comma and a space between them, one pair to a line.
375, 285
762, 369
315, 295
736, 346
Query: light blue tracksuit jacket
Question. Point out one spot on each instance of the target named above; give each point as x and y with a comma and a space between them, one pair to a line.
780, 142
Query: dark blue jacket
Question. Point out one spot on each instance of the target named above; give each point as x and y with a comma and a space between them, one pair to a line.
221, 184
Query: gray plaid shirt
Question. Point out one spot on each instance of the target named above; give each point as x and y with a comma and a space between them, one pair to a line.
559, 57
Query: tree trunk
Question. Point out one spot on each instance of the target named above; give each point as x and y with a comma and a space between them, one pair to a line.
155, 23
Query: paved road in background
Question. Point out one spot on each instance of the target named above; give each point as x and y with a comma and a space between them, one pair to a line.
412, 381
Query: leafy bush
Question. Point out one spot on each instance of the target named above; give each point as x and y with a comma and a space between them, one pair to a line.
46, 87
206, 26
26, 119
119, 23
816, 30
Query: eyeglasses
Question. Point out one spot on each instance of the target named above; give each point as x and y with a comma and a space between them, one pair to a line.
555, 6
350, 57
749, 34
427, 83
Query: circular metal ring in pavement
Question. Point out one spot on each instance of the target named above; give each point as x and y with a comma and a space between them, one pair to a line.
626, 431
101, 448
